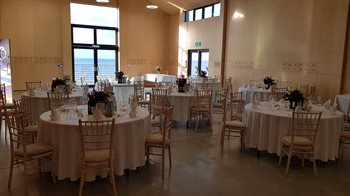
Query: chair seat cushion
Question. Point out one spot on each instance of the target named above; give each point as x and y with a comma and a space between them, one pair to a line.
235, 124
34, 150
32, 129
97, 156
298, 141
155, 138
345, 135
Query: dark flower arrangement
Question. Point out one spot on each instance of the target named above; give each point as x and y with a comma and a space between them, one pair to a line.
119, 76
95, 97
268, 80
294, 97
202, 73
57, 82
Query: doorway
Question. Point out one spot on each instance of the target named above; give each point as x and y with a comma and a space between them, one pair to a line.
198, 60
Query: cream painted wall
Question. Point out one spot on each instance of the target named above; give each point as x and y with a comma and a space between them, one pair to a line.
209, 33
296, 41
143, 35
172, 44
34, 27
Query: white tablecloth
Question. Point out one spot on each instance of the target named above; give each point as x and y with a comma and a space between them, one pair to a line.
159, 77
343, 102
248, 94
39, 102
266, 127
182, 103
64, 136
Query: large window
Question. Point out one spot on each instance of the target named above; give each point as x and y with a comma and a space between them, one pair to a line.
94, 42
205, 12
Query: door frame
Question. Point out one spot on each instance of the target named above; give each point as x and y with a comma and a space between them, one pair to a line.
189, 60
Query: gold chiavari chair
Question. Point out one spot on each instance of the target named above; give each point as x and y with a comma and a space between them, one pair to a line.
234, 125
161, 139
33, 85
159, 102
21, 151
5, 107
301, 138
23, 107
57, 99
139, 93
203, 106
96, 149
220, 100
304, 88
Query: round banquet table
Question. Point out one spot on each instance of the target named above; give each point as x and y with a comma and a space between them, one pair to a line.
39, 102
265, 127
128, 142
182, 103
248, 94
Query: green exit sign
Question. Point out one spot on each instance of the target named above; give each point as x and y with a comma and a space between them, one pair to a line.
197, 44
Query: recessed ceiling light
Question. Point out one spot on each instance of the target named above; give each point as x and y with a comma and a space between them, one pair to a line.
151, 6
102, 1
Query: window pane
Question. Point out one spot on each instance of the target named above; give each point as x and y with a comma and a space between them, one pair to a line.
106, 64
217, 9
205, 62
194, 63
83, 35
198, 14
190, 15
94, 15
208, 12
84, 65
106, 37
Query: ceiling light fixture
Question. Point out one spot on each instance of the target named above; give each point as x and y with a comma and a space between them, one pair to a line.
152, 6
102, 1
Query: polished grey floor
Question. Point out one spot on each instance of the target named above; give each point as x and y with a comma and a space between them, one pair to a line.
199, 168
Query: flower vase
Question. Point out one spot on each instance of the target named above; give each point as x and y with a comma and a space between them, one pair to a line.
267, 86
158, 72
293, 104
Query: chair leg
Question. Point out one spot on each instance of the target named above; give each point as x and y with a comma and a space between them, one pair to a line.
25, 177
112, 179
163, 163
147, 154
169, 151
82, 181
10, 174
281, 156
314, 163
288, 164
222, 139
242, 141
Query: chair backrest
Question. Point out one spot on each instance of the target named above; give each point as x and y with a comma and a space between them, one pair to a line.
236, 96
159, 100
204, 98
304, 88
17, 138
96, 135
2, 95
236, 107
220, 95
23, 107
57, 99
312, 91
167, 123
305, 124
204, 85
278, 93
228, 84
33, 85
138, 90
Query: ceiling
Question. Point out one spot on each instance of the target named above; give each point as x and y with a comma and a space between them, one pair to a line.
174, 6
